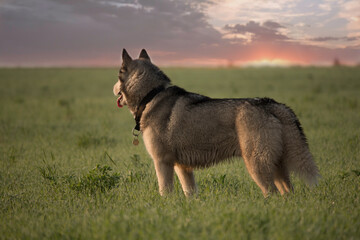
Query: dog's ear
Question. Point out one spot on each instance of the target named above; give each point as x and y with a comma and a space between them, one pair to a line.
144, 55
126, 57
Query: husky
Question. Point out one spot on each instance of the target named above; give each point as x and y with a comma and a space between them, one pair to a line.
183, 131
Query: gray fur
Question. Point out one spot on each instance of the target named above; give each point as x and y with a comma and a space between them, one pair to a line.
183, 131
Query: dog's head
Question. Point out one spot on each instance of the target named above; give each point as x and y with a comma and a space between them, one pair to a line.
137, 78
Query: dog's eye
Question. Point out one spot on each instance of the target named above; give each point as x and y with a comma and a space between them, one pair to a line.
123, 70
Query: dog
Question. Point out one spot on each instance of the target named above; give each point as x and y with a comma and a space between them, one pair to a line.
183, 131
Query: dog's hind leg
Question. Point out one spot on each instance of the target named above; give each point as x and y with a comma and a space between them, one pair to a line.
260, 140
263, 177
282, 180
165, 176
186, 178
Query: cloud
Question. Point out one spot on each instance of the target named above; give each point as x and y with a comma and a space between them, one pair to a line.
39, 30
350, 10
135, 5
272, 25
325, 39
268, 31
325, 6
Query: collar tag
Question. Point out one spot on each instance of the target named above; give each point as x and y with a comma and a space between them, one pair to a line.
135, 141
136, 132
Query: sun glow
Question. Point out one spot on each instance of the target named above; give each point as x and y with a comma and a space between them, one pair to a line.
268, 63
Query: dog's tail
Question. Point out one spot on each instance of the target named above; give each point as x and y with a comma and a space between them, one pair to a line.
296, 157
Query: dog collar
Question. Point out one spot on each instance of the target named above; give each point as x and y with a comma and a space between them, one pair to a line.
140, 109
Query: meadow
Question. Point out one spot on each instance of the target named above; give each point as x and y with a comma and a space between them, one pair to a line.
68, 169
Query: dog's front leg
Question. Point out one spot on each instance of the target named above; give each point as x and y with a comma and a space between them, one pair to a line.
187, 179
165, 176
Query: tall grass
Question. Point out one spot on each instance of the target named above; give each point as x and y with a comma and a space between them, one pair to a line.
68, 169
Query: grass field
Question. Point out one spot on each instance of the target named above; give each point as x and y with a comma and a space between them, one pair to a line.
68, 169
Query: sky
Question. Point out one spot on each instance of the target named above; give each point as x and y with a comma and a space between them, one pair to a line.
179, 32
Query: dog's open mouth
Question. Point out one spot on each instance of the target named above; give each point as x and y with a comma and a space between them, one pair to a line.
119, 101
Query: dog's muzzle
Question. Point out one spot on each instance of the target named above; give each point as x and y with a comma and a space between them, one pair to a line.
119, 100
117, 92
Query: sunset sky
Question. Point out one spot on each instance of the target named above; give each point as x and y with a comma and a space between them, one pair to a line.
179, 32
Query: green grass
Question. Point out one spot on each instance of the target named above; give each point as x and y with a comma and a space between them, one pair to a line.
68, 169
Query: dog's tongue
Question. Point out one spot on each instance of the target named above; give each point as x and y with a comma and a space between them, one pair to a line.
118, 102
